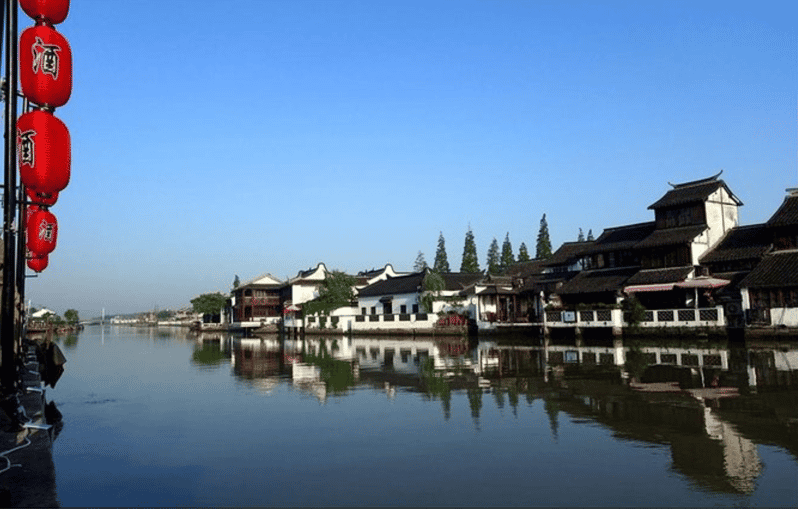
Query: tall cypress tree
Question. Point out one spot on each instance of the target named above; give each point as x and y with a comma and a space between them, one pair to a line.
590, 235
581, 237
441, 261
507, 258
420, 264
494, 262
470, 263
543, 249
523, 253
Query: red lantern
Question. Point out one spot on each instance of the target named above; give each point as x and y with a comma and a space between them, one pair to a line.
42, 232
28, 211
45, 66
38, 263
46, 199
44, 151
49, 11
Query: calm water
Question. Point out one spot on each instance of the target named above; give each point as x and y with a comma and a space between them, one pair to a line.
157, 417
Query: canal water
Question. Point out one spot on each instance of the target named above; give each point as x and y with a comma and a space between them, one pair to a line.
156, 416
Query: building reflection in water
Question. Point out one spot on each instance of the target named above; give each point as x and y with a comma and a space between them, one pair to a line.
721, 401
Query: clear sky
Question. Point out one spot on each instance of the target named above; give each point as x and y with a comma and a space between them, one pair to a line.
244, 137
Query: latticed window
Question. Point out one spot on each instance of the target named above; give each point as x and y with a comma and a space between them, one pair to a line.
712, 360
588, 358
667, 358
665, 315
689, 359
586, 316
604, 315
606, 358
708, 315
686, 315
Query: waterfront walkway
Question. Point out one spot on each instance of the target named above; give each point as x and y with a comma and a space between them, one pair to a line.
27, 471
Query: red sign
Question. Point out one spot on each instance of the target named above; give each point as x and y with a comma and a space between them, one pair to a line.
45, 66
48, 11
43, 146
41, 232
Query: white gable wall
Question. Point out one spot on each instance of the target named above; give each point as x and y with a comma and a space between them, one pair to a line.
721, 214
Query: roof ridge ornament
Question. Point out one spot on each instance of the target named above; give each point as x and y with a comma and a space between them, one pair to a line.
696, 182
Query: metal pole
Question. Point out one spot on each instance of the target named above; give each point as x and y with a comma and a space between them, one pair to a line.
8, 374
21, 252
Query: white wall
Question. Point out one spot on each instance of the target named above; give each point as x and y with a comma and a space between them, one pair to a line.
784, 316
406, 299
722, 215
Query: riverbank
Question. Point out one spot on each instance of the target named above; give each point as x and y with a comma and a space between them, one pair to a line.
27, 476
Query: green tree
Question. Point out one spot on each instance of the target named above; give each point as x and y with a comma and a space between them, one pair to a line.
209, 303
337, 290
470, 263
581, 237
236, 282
71, 316
432, 286
493, 262
543, 249
523, 254
441, 261
590, 235
507, 258
420, 263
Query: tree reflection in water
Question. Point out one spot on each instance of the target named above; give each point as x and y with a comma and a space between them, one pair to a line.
584, 382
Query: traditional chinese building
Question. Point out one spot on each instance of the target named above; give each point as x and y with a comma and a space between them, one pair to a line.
258, 300
770, 290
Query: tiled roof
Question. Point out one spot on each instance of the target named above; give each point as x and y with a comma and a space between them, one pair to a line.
410, 283
671, 236
569, 253
787, 214
734, 277
526, 269
660, 276
692, 192
596, 281
459, 280
740, 243
622, 237
776, 270
253, 283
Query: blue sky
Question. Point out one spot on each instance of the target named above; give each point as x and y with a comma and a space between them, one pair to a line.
245, 137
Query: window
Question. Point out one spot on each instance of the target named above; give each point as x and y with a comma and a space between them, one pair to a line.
363, 311
373, 310
387, 308
415, 308
403, 309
